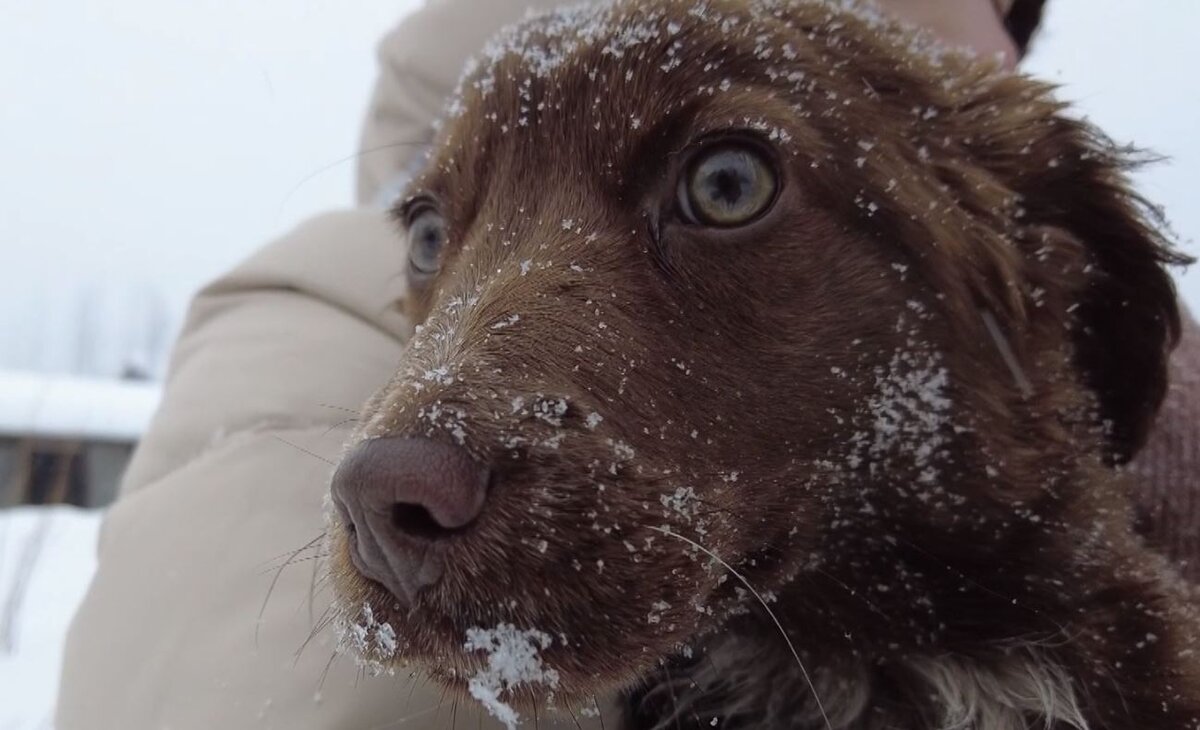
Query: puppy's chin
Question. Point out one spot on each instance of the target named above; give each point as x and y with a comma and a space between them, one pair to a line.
534, 653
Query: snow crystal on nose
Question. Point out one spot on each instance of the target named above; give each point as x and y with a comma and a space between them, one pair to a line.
371, 641
512, 659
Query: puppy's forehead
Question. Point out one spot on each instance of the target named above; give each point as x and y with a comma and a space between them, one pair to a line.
599, 80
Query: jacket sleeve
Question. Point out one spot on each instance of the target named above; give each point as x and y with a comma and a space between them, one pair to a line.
230, 476
419, 66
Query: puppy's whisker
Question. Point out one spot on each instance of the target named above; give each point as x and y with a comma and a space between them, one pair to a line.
297, 561
306, 546
852, 593
1006, 352
966, 578
753, 591
406, 718
275, 581
355, 411
304, 450
970, 581
320, 625
338, 425
313, 581
574, 719
340, 161
325, 673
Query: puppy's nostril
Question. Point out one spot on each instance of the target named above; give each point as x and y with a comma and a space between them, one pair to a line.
416, 521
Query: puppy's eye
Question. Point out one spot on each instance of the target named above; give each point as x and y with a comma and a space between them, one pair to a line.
727, 185
426, 239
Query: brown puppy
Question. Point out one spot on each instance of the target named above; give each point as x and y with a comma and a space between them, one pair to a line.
771, 369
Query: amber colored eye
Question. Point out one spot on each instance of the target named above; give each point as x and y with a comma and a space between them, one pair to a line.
426, 239
727, 185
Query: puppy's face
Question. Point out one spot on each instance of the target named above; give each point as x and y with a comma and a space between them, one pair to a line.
711, 289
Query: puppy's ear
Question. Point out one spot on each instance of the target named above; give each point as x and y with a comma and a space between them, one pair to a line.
1072, 179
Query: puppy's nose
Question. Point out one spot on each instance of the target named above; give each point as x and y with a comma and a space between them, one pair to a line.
400, 498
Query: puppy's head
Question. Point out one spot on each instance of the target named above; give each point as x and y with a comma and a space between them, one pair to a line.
700, 286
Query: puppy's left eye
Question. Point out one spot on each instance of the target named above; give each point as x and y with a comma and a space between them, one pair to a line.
727, 185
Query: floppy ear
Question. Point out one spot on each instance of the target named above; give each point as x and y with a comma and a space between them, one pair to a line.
1072, 179
986, 135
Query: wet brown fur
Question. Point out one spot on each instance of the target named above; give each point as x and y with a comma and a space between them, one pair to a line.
738, 377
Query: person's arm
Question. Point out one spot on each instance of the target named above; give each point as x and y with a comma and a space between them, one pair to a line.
229, 480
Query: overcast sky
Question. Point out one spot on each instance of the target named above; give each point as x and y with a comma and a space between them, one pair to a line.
146, 145
1131, 68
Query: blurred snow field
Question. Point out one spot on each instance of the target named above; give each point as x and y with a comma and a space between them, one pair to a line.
47, 557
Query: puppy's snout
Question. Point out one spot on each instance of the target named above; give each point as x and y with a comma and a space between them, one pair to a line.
400, 498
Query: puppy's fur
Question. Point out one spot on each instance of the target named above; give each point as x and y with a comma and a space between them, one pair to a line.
883, 414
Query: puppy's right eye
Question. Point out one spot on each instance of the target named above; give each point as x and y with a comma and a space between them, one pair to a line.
727, 185
426, 239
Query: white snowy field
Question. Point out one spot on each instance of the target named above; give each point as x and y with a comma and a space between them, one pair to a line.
46, 561
149, 144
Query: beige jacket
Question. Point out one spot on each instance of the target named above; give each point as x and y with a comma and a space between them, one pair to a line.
185, 625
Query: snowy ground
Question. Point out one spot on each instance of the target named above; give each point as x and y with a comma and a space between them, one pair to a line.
46, 561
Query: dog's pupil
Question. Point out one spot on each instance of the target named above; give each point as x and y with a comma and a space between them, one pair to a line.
427, 235
728, 187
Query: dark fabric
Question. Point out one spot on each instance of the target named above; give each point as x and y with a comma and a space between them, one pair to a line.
1166, 489
1023, 20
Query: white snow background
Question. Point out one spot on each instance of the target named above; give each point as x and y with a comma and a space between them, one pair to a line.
147, 145
46, 560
